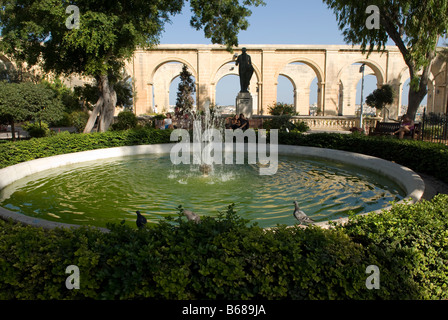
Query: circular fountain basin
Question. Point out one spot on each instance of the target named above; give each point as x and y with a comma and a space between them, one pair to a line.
316, 167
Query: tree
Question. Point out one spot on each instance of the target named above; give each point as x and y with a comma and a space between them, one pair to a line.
125, 93
98, 36
28, 101
11, 105
185, 91
381, 97
414, 26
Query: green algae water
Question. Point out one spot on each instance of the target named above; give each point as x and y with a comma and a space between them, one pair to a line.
110, 191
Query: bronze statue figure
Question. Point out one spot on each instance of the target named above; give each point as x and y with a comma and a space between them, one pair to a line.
246, 70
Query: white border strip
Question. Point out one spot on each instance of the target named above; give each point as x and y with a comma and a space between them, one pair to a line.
411, 182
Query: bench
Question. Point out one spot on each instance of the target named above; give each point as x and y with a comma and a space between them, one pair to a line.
387, 128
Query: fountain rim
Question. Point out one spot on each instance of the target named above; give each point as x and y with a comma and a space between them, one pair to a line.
407, 179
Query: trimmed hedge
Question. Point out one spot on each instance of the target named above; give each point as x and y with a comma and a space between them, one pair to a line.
15, 152
220, 258
225, 257
424, 157
420, 230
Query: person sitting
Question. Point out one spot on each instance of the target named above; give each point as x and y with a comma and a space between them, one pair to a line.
406, 127
229, 123
235, 122
168, 122
244, 123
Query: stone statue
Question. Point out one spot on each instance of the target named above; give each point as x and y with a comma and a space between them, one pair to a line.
246, 70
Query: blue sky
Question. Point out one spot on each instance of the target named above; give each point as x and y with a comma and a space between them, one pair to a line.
279, 22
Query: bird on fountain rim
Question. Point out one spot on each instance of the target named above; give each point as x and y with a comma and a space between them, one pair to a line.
301, 216
141, 220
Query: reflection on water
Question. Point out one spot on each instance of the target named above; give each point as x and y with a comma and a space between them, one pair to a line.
109, 191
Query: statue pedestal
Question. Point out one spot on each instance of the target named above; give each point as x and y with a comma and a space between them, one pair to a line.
244, 104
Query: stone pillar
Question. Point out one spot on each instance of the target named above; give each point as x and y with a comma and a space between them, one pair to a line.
269, 87
321, 96
139, 71
203, 93
244, 104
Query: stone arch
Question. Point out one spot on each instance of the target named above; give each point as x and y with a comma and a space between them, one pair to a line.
294, 87
398, 85
302, 106
216, 76
350, 80
376, 68
220, 73
162, 79
169, 60
310, 63
327, 62
436, 90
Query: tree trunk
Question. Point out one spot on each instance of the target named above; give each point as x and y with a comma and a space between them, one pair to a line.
109, 104
13, 131
415, 98
104, 108
93, 116
416, 95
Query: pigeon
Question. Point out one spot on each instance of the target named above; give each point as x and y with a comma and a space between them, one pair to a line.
191, 216
301, 216
141, 220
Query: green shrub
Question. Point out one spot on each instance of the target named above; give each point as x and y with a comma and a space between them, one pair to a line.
420, 156
421, 230
65, 121
15, 152
152, 123
280, 109
225, 257
78, 119
219, 258
301, 126
36, 129
284, 123
125, 120
423, 157
283, 113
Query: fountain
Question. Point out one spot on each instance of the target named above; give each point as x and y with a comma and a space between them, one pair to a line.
141, 178
205, 128
101, 186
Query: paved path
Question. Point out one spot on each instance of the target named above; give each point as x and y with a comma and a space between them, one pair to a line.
433, 186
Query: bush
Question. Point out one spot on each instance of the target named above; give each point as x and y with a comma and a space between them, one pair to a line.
152, 123
284, 123
79, 120
219, 258
15, 152
125, 120
283, 114
423, 157
36, 129
227, 258
64, 122
420, 231
420, 156
280, 109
